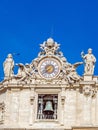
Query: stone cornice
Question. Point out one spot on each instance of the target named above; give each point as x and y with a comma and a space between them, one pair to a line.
47, 85
93, 83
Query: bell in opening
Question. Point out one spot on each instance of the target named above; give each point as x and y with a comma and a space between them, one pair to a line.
48, 108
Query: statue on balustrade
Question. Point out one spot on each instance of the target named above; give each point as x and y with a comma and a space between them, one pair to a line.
8, 66
89, 62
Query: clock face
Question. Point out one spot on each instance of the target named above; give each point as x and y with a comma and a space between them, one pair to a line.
49, 68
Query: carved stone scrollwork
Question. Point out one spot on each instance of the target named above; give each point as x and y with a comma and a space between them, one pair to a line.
94, 91
2, 108
89, 91
55, 70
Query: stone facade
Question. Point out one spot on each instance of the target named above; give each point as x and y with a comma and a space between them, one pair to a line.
50, 78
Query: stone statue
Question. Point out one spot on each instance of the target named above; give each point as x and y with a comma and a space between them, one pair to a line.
89, 62
69, 71
21, 73
24, 71
34, 65
72, 75
8, 66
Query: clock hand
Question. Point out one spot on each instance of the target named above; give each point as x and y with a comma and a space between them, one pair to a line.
44, 71
50, 69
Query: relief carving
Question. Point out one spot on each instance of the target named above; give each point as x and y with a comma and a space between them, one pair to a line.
69, 72
49, 47
56, 67
89, 91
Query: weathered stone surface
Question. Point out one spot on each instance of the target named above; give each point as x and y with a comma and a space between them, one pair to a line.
73, 99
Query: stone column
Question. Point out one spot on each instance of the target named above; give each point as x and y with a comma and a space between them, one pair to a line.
32, 97
79, 106
55, 107
87, 110
89, 92
40, 108
87, 102
96, 110
62, 105
8, 105
15, 103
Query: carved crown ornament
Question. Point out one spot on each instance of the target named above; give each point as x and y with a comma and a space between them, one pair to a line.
50, 67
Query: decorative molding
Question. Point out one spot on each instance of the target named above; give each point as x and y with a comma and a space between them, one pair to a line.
85, 128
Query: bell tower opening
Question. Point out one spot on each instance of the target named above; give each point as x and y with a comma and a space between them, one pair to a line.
47, 106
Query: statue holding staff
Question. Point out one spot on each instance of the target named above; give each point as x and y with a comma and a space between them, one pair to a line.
89, 62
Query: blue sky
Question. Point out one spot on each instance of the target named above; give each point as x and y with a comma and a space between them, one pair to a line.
24, 24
